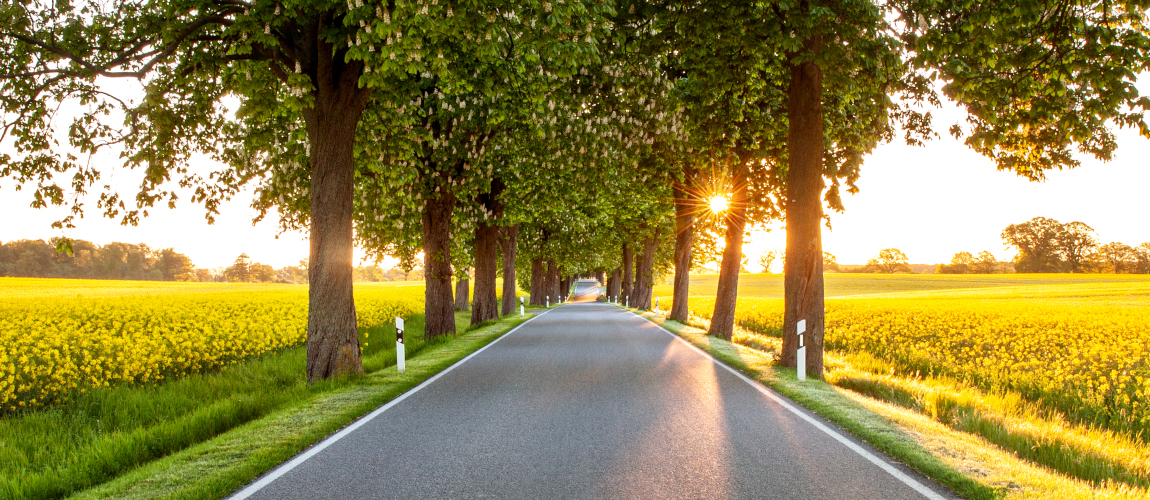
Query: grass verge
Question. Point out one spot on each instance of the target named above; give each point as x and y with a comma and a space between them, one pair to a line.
117, 434
964, 461
221, 465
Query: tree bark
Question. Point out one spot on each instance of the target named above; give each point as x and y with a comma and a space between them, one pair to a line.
599, 276
507, 243
538, 281
684, 237
803, 267
439, 310
332, 338
462, 294
486, 304
614, 284
645, 277
628, 276
723, 315
551, 292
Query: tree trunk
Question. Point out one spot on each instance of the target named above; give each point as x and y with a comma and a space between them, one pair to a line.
684, 235
438, 307
332, 338
486, 304
628, 276
614, 284
599, 276
507, 242
462, 294
551, 293
723, 315
645, 278
803, 280
538, 280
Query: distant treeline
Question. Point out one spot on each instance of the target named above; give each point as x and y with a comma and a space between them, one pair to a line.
127, 261
1044, 246
117, 261
1048, 246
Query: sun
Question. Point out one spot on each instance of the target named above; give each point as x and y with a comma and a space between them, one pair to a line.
719, 203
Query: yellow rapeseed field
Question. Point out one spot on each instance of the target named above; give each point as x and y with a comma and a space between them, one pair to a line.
1077, 348
54, 341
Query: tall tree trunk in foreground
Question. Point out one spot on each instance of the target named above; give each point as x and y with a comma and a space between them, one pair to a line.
538, 278
803, 267
438, 306
628, 276
684, 236
551, 290
486, 306
723, 317
507, 241
614, 284
462, 294
645, 277
332, 338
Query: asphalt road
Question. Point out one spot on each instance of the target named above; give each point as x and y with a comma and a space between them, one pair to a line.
590, 401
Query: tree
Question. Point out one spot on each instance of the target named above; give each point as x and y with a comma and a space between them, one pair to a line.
959, 264
306, 75
1119, 258
889, 261
240, 271
986, 263
766, 259
1076, 242
1038, 243
175, 266
830, 262
1143, 253
261, 273
1026, 106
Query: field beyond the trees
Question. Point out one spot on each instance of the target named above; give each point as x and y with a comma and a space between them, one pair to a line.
847, 284
60, 337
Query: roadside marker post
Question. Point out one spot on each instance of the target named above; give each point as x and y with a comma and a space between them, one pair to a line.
548, 301
521, 306
801, 353
399, 354
656, 305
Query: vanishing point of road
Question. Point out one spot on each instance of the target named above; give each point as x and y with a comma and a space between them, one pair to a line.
590, 401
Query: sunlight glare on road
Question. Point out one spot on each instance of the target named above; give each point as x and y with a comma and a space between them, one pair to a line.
719, 203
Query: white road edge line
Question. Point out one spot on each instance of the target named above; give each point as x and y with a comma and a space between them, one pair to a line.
311, 452
890, 469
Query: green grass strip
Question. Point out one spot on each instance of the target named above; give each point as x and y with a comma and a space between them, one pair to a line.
219, 466
827, 402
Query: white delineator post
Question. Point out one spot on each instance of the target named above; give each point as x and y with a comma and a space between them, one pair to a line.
399, 354
656, 305
801, 352
548, 301
521, 306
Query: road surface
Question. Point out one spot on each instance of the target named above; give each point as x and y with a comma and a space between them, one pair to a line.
590, 401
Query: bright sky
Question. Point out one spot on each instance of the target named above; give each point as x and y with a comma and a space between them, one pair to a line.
930, 202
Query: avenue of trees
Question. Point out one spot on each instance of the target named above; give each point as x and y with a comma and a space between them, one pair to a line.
539, 140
